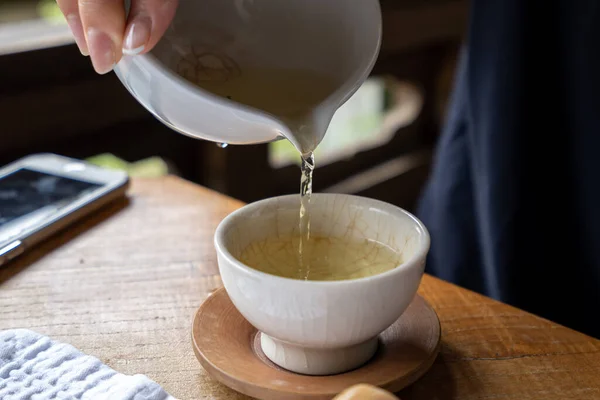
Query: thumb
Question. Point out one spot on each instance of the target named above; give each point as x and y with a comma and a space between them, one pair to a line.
148, 20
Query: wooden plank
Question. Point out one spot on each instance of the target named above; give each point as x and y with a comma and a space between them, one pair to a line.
32, 35
410, 25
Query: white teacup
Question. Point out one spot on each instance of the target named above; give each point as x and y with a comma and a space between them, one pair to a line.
321, 327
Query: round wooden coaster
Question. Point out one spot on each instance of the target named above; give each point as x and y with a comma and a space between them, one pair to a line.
227, 347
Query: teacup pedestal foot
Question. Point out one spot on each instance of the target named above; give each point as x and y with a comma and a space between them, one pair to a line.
317, 361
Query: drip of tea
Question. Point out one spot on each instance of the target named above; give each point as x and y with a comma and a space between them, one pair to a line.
330, 258
292, 96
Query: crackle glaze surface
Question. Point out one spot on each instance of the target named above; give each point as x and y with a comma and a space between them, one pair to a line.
331, 314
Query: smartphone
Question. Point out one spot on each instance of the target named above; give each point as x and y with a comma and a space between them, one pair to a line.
44, 193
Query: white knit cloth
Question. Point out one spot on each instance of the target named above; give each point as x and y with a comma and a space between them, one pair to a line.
33, 366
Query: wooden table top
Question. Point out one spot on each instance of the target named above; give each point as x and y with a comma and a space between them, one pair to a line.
123, 286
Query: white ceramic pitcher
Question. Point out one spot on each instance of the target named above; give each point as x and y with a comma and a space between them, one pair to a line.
336, 38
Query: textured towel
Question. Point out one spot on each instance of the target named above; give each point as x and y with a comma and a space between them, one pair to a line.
33, 366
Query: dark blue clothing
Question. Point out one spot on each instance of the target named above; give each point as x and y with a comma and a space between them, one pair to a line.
513, 203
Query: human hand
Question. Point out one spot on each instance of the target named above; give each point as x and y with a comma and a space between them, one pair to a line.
103, 31
365, 392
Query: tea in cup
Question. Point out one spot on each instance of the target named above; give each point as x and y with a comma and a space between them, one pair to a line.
320, 311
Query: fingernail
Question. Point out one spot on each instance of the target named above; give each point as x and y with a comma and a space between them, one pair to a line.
101, 50
77, 30
137, 36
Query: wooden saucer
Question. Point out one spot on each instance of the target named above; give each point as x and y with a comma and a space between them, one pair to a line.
227, 347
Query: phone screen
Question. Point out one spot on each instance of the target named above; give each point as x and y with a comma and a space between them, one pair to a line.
28, 197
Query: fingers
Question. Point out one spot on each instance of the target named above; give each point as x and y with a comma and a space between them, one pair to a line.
70, 9
148, 21
104, 25
102, 32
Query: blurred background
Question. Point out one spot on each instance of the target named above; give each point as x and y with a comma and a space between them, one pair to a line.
378, 145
